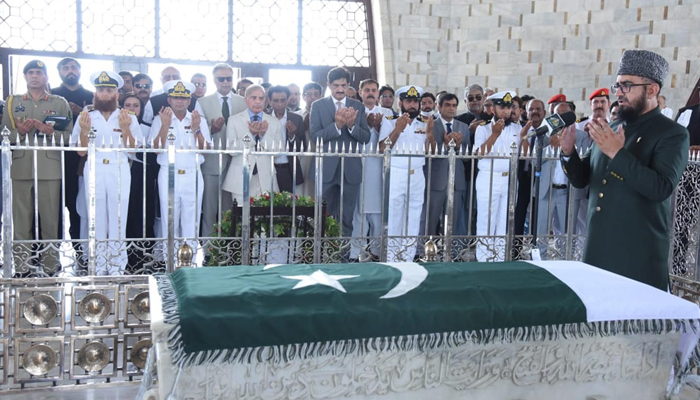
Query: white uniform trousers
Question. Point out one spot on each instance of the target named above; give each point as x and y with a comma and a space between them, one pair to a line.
112, 189
405, 206
189, 189
492, 215
362, 225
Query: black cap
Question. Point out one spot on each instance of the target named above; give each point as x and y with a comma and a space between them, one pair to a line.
34, 64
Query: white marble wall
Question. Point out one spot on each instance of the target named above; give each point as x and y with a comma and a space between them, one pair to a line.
540, 47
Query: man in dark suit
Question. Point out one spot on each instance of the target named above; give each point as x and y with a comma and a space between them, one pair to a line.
293, 133
341, 123
77, 98
447, 129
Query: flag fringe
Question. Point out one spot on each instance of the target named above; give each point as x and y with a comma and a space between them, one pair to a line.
410, 343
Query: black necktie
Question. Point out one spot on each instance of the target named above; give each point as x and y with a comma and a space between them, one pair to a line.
257, 140
224, 109
449, 127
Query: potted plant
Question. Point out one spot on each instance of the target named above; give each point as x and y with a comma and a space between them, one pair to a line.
273, 222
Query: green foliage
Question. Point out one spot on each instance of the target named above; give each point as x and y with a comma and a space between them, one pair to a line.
281, 225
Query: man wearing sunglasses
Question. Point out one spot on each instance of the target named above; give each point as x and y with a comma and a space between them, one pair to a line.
633, 167
474, 98
200, 84
143, 85
217, 107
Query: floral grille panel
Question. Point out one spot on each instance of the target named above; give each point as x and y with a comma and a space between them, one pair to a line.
335, 33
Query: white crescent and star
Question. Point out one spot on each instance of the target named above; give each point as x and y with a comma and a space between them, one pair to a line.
412, 276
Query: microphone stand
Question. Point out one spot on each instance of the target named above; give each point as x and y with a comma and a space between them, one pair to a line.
539, 148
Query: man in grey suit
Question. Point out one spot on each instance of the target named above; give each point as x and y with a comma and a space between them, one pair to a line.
447, 128
554, 186
341, 123
293, 133
218, 107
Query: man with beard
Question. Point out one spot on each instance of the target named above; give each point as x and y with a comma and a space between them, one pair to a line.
632, 170
492, 182
143, 85
368, 212
25, 116
78, 98
341, 123
427, 105
191, 132
294, 96
113, 175
408, 133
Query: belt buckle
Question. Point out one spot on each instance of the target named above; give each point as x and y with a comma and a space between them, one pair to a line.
504, 174
411, 171
105, 161
181, 172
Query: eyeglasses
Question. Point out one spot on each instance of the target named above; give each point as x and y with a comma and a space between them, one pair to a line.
387, 96
224, 79
474, 98
625, 87
142, 85
200, 84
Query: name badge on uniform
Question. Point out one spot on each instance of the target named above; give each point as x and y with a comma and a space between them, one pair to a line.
50, 112
419, 131
20, 108
117, 130
188, 127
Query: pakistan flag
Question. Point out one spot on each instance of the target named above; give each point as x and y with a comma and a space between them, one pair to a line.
247, 307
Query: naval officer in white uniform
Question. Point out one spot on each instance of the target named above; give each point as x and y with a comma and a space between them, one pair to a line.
490, 138
117, 128
409, 134
191, 133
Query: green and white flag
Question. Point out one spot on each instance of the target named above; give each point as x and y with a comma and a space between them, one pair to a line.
289, 311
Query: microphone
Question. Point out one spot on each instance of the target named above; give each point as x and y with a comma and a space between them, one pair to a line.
553, 124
